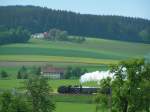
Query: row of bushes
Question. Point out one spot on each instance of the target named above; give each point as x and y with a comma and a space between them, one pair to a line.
25, 73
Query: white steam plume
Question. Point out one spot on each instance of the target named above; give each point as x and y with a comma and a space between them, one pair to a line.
95, 76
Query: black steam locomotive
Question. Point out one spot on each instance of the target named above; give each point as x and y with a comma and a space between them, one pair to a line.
77, 90
81, 90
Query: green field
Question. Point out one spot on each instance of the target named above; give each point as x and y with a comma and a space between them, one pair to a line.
76, 107
94, 54
17, 83
92, 51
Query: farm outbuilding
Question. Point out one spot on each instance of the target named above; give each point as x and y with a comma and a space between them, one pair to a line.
51, 72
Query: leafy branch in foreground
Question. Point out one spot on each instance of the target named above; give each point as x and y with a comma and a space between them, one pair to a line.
130, 87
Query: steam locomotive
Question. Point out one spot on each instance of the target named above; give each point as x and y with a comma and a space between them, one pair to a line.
78, 89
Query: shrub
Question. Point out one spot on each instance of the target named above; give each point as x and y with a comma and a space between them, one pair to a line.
3, 74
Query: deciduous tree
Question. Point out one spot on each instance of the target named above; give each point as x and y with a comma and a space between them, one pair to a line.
39, 90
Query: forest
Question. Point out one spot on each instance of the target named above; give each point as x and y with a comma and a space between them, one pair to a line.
40, 19
17, 35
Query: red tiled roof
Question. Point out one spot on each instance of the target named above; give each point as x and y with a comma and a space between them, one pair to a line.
52, 70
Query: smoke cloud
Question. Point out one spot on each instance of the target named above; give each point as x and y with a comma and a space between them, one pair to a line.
95, 76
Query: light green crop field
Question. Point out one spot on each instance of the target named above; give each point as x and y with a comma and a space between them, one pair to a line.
56, 59
92, 51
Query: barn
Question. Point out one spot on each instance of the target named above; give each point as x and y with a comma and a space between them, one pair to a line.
51, 72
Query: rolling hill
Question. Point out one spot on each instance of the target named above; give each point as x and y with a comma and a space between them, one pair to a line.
92, 51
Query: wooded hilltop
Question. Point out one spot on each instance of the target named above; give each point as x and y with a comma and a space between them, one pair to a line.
38, 19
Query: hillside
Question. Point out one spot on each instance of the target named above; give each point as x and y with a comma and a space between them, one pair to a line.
93, 51
38, 19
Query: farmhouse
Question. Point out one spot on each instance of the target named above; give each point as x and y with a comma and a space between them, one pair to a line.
51, 72
38, 35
